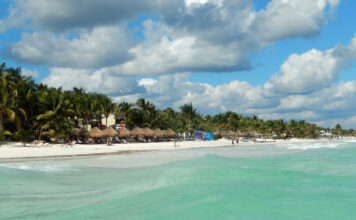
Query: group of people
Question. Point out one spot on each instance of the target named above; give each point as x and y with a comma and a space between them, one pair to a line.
233, 141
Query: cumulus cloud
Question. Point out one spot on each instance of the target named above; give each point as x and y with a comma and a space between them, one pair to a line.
27, 72
100, 47
290, 18
192, 35
312, 70
92, 81
67, 14
176, 90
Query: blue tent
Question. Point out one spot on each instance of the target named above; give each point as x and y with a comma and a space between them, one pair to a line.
203, 135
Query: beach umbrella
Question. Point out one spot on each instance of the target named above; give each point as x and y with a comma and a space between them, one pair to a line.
124, 132
138, 132
95, 133
148, 132
109, 132
170, 133
158, 132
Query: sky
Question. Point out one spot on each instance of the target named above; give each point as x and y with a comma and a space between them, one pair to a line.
277, 59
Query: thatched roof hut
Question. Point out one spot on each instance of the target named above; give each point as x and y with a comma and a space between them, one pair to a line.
124, 132
138, 132
170, 133
82, 132
239, 133
253, 133
110, 132
95, 133
158, 132
148, 132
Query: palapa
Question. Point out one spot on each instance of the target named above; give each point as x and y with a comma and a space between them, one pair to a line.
170, 133
95, 133
238, 133
158, 132
148, 132
138, 132
109, 132
124, 132
253, 133
82, 132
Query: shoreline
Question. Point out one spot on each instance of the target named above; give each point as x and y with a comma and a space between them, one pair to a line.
15, 150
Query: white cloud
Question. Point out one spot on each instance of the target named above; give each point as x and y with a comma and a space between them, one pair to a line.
291, 18
192, 35
27, 72
101, 47
92, 81
312, 70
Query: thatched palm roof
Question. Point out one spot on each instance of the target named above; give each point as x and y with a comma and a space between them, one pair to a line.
252, 133
82, 132
148, 132
109, 132
158, 132
124, 132
95, 133
138, 132
238, 133
170, 133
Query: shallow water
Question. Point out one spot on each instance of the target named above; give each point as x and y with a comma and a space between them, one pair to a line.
296, 181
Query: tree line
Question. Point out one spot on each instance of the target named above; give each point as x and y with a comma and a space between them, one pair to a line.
30, 110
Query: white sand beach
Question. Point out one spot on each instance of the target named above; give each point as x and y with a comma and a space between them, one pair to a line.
16, 150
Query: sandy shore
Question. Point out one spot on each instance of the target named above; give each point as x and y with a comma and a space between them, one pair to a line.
16, 150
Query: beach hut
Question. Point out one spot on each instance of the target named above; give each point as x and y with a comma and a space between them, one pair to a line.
148, 132
230, 134
95, 133
170, 133
158, 133
82, 133
138, 132
124, 132
110, 132
238, 133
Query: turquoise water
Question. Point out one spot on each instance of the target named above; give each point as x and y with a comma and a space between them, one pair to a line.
294, 181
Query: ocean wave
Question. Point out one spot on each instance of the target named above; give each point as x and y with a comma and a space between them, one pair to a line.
313, 145
44, 168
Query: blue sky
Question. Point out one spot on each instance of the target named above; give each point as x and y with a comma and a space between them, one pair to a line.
290, 59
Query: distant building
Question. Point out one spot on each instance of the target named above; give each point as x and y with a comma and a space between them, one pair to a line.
324, 133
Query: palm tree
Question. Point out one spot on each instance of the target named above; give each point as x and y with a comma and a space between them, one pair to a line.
189, 112
8, 105
125, 107
107, 107
55, 121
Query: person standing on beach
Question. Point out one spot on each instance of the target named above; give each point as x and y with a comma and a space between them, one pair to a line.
175, 143
232, 140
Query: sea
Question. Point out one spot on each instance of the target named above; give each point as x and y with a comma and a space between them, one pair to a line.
311, 180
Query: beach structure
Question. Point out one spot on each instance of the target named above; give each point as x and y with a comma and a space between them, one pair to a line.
124, 132
95, 133
158, 133
109, 132
170, 133
238, 133
148, 132
82, 133
138, 132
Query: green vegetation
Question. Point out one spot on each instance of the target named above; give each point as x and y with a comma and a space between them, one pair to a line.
30, 110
